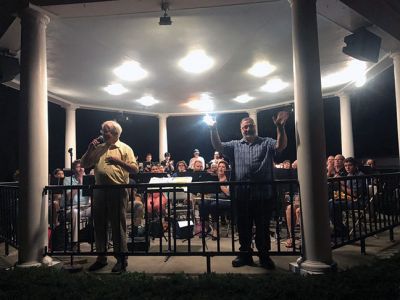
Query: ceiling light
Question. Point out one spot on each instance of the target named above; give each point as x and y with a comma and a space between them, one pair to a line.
202, 103
115, 89
274, 85
354, 71
261, 69
130, 71
196, 62
147, 100
243, 98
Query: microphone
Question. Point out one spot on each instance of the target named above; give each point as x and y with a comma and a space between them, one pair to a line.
100, 139
70, 150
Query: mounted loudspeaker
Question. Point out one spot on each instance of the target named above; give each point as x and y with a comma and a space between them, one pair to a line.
9, 68
363, 45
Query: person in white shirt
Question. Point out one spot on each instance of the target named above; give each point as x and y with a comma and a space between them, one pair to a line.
196, 156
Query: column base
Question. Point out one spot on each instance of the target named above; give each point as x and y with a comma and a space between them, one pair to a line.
309, 267
30, 264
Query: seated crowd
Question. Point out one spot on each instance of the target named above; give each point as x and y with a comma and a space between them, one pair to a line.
208, 212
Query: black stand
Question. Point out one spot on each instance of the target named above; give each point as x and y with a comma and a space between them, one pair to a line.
72, 268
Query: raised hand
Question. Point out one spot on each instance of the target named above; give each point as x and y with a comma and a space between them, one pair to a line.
209, 120
281, 118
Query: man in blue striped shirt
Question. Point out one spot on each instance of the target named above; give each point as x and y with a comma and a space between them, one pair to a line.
252, 161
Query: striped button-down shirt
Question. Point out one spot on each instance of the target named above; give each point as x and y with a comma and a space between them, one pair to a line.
252, 161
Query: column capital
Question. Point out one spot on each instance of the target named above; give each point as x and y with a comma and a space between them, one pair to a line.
68, 106
30, 14
162, 116
343, 95
395, 55
252, 111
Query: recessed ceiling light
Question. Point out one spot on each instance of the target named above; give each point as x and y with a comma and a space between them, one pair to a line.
354, 71
243, 98
130, 71
202, 103
147, 100
196, 62
261, 69
115, 89
274, 85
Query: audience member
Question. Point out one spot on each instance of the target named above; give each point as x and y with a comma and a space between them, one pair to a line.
330, 166
84, 201
57, 197
196, 156
216, 159
148, 163
338, 165
294, 164
213, 169
286, 164
168, 163
181, 167
371, 163
347, 197
198, 166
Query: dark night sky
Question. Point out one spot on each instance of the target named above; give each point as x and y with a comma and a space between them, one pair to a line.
373, 112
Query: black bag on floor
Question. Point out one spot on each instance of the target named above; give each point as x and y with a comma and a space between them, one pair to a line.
156, 229
59, 239
86, 234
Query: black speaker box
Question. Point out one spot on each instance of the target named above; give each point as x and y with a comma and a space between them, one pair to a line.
183, 229
138, 244
363, 45
9, 68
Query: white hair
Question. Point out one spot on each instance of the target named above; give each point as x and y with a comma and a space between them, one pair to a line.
113, 125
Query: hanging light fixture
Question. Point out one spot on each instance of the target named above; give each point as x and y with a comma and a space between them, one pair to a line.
165, 20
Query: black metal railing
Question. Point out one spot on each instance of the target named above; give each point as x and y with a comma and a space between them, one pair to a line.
200, 218
171, 219
9, 193
362, 206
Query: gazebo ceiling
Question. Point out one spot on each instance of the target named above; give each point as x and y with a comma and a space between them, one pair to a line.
86, 42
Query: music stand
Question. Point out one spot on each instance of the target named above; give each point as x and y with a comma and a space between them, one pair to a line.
203, 177
57, 181
88, 180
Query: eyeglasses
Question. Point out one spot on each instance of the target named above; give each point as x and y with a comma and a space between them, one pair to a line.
106, 131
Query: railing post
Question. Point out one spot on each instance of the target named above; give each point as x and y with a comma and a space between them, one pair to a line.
362, 246
391, 234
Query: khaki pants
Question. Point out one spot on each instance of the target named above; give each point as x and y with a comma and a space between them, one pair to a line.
109, 205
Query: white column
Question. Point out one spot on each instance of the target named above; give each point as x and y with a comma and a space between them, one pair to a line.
33, 143
346, 126
310, 139
253, 115
70, 134
396, 63
163, 135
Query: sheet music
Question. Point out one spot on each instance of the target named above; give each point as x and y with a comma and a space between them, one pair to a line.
170, 180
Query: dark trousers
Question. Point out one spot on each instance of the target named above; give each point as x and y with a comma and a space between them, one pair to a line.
254, 208
109, 205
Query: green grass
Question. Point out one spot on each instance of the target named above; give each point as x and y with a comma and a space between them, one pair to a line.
380, 280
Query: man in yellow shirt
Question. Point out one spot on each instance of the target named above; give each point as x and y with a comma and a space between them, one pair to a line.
113, 160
